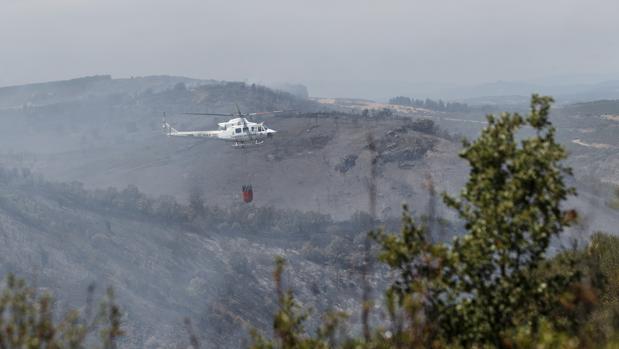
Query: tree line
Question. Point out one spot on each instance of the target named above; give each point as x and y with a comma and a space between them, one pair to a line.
428, 103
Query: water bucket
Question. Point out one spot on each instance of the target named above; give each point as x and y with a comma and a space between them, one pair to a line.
248, 194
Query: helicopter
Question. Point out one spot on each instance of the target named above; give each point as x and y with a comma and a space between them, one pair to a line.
239, 129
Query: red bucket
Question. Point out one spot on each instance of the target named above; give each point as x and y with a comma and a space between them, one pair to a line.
248, 194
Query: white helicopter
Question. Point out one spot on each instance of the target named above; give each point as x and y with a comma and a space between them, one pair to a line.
238, 130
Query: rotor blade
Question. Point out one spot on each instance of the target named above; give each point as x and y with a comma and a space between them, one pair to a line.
208, 114
269, 112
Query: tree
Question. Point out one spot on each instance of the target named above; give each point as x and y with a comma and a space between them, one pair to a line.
487, 282
614, 203
401, 100
512, 209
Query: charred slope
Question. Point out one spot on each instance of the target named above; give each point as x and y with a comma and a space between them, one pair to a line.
167, 261
304, 167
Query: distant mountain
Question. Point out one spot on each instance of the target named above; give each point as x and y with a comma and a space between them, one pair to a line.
603, 90
566, 89
594, 108
88, 87
506, 92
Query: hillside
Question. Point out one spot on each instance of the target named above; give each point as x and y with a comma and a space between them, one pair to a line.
601, 107
164, 265
79, 89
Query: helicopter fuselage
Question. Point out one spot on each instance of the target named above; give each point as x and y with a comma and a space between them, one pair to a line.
238, 130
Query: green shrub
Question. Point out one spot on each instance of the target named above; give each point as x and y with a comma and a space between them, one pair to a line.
27, 320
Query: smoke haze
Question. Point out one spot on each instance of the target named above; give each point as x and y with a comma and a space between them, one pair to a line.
333, 47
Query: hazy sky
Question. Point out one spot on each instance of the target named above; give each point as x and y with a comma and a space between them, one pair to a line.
330, 45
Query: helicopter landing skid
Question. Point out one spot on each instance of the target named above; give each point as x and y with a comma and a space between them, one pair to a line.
247, 144
240, 145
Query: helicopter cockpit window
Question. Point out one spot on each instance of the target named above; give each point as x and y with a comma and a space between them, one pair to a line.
245, 129
238, 130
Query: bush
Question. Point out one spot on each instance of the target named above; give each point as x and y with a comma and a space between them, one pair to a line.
27, 320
